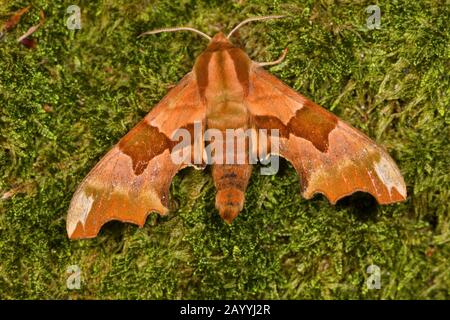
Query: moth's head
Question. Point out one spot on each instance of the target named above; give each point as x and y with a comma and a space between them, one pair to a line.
219, 41
220, 38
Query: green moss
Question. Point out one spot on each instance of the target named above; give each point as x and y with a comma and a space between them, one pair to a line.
393, 83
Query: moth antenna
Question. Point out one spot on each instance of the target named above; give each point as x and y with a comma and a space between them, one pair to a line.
272, 63
253, 19
175, 29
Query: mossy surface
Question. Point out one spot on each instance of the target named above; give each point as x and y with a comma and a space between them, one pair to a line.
66, 102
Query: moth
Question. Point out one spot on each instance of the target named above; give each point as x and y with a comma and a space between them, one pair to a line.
227, 90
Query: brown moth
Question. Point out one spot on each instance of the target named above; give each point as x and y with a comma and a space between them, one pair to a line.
227, 90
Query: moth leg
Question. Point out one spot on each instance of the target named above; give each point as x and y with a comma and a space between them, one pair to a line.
272, 63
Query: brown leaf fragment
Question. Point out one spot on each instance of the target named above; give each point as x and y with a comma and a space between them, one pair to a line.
31, 43
47, 108
15, 18
22, 188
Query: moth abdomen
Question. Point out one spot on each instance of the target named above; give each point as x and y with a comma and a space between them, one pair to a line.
231, 182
